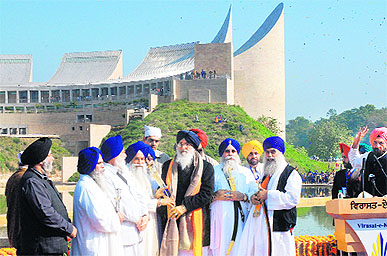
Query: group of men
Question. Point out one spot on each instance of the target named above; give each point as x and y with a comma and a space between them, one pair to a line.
138, 201
365, 166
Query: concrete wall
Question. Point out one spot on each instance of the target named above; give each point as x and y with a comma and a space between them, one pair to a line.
219, 90
214, 57
260, 76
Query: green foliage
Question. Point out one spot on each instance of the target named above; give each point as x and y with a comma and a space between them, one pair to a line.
180, 115
298, 131
270, 123
3, 205
10, 147
325, 138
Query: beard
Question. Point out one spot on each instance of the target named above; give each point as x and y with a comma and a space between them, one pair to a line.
253, 161
141, 180
47, 167
230, 162
185, 158
378, 152
97, 176
271, 167
121, 165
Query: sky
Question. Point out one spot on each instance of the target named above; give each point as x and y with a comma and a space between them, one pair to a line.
335, 50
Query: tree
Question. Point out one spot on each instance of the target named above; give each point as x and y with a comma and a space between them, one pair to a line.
325, 139
270, 123
297, 132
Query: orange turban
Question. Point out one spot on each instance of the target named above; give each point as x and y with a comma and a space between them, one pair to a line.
378, 132
344, 148
249, 146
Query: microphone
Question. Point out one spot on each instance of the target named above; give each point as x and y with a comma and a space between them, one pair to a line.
371, 178
362, 176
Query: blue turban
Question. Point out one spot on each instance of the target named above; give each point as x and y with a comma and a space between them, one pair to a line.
274, 142
363, 148
132, 150
226, 142
112, 147
88, 159
190, 137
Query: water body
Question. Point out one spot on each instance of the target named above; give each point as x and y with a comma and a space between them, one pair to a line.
313, 221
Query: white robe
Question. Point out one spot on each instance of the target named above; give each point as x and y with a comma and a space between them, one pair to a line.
144, 186
131, 205
222, 212
96, 220
254, 240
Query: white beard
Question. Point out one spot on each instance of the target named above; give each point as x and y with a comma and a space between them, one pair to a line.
230, 162
99, 179
185, 159
141, 180
271, 167
122, 167
47, 167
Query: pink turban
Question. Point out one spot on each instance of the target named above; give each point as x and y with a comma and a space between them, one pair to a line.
378, 132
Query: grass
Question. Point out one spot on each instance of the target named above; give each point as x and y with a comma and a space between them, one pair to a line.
180, 115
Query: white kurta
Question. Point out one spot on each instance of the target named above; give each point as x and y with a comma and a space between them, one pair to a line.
96, 220
222, 212
143, 184
131, 205
254, 240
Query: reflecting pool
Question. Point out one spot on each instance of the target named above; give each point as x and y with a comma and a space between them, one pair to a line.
313, 221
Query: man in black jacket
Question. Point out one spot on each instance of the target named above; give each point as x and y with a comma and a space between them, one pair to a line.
45, 224
190, 181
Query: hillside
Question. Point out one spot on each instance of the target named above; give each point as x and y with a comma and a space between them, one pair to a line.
11, 146
180, 115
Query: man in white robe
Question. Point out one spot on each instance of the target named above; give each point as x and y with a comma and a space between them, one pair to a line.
280, 198
122, 191
223, 206
97, 221
136, 155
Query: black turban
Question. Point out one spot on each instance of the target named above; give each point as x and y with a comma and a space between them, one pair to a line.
36, 152
190, 137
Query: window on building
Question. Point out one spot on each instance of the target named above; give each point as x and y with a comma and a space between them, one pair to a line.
89, 118
45, 96
80, 118
4, 131
34, 96
11, 96
12, 131
2, 97
23, 131
80, 128
23, 96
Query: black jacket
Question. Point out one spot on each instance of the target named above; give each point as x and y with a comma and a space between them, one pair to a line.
44, 220
200, 200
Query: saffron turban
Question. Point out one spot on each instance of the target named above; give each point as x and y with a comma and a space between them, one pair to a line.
202, 136
274, 142
226, 143
152, 131
378, 132
249, 146
190, 137
88, 159
344, 148
133, 149
36, 152
112, 147
363, 148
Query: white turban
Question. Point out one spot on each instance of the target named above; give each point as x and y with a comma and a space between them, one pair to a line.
152, 131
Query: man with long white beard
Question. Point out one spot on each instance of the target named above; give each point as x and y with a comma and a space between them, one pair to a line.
95, 217
269, 229
122, 191
136, 156
234, 184
190, 181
